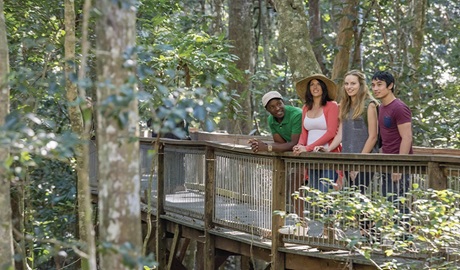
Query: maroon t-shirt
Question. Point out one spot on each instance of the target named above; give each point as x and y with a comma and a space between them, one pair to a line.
390, 116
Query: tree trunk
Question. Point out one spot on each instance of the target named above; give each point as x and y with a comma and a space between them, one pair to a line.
344, 40
415, 34
385, 40
241, 35
359, 29
217, 25
85, 231
295, 38
316, 35
265, 29
6, 235
117, 132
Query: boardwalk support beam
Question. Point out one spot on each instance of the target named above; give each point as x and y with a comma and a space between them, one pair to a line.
209, 245
279, 203
161, 224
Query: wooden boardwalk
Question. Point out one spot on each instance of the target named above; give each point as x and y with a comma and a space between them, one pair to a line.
220, 196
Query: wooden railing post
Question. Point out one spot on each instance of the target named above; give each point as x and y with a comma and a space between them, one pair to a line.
210, 189
279, 204
436, 178
161, 243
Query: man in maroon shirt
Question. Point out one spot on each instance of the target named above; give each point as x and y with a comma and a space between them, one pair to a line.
395, 126
395, 117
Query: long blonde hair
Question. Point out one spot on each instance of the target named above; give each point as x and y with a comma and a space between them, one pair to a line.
363, 94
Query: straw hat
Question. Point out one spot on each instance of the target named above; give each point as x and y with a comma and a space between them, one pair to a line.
301, 86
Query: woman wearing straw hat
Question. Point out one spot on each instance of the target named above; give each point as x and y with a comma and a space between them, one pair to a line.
320, 122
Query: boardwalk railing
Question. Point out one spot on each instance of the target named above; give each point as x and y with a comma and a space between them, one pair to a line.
216, 185
243, 198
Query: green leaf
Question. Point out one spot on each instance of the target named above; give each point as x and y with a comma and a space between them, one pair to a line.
388, 252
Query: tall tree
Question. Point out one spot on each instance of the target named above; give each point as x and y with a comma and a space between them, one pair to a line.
240, 33
344, 39
264, 22
117, 128
415, 31
81, 127
217, 25
316, 33
402, 29
295, 38
6, 236
359, 28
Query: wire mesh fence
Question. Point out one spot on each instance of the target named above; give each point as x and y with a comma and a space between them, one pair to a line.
243, 192
184, 185
334, 202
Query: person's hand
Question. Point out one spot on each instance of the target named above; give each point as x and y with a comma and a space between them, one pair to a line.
254, 145
339, 184
320, 149
297, 149
257, 145
353, 175
396, 177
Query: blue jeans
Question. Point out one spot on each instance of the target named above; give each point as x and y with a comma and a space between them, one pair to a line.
320, 180
393, 190
317, 181
361, 181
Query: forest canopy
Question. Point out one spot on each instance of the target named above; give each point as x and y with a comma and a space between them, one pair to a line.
184, 46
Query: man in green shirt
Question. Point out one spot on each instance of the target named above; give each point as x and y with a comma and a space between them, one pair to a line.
285, 125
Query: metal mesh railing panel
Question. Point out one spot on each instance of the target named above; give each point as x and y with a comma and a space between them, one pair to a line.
243, 192
453, 177
148, 172
184, 181
334, 191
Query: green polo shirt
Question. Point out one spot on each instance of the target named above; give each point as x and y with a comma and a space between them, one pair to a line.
291, 124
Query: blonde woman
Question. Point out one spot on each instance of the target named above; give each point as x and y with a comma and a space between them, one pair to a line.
358, 128
358, 115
